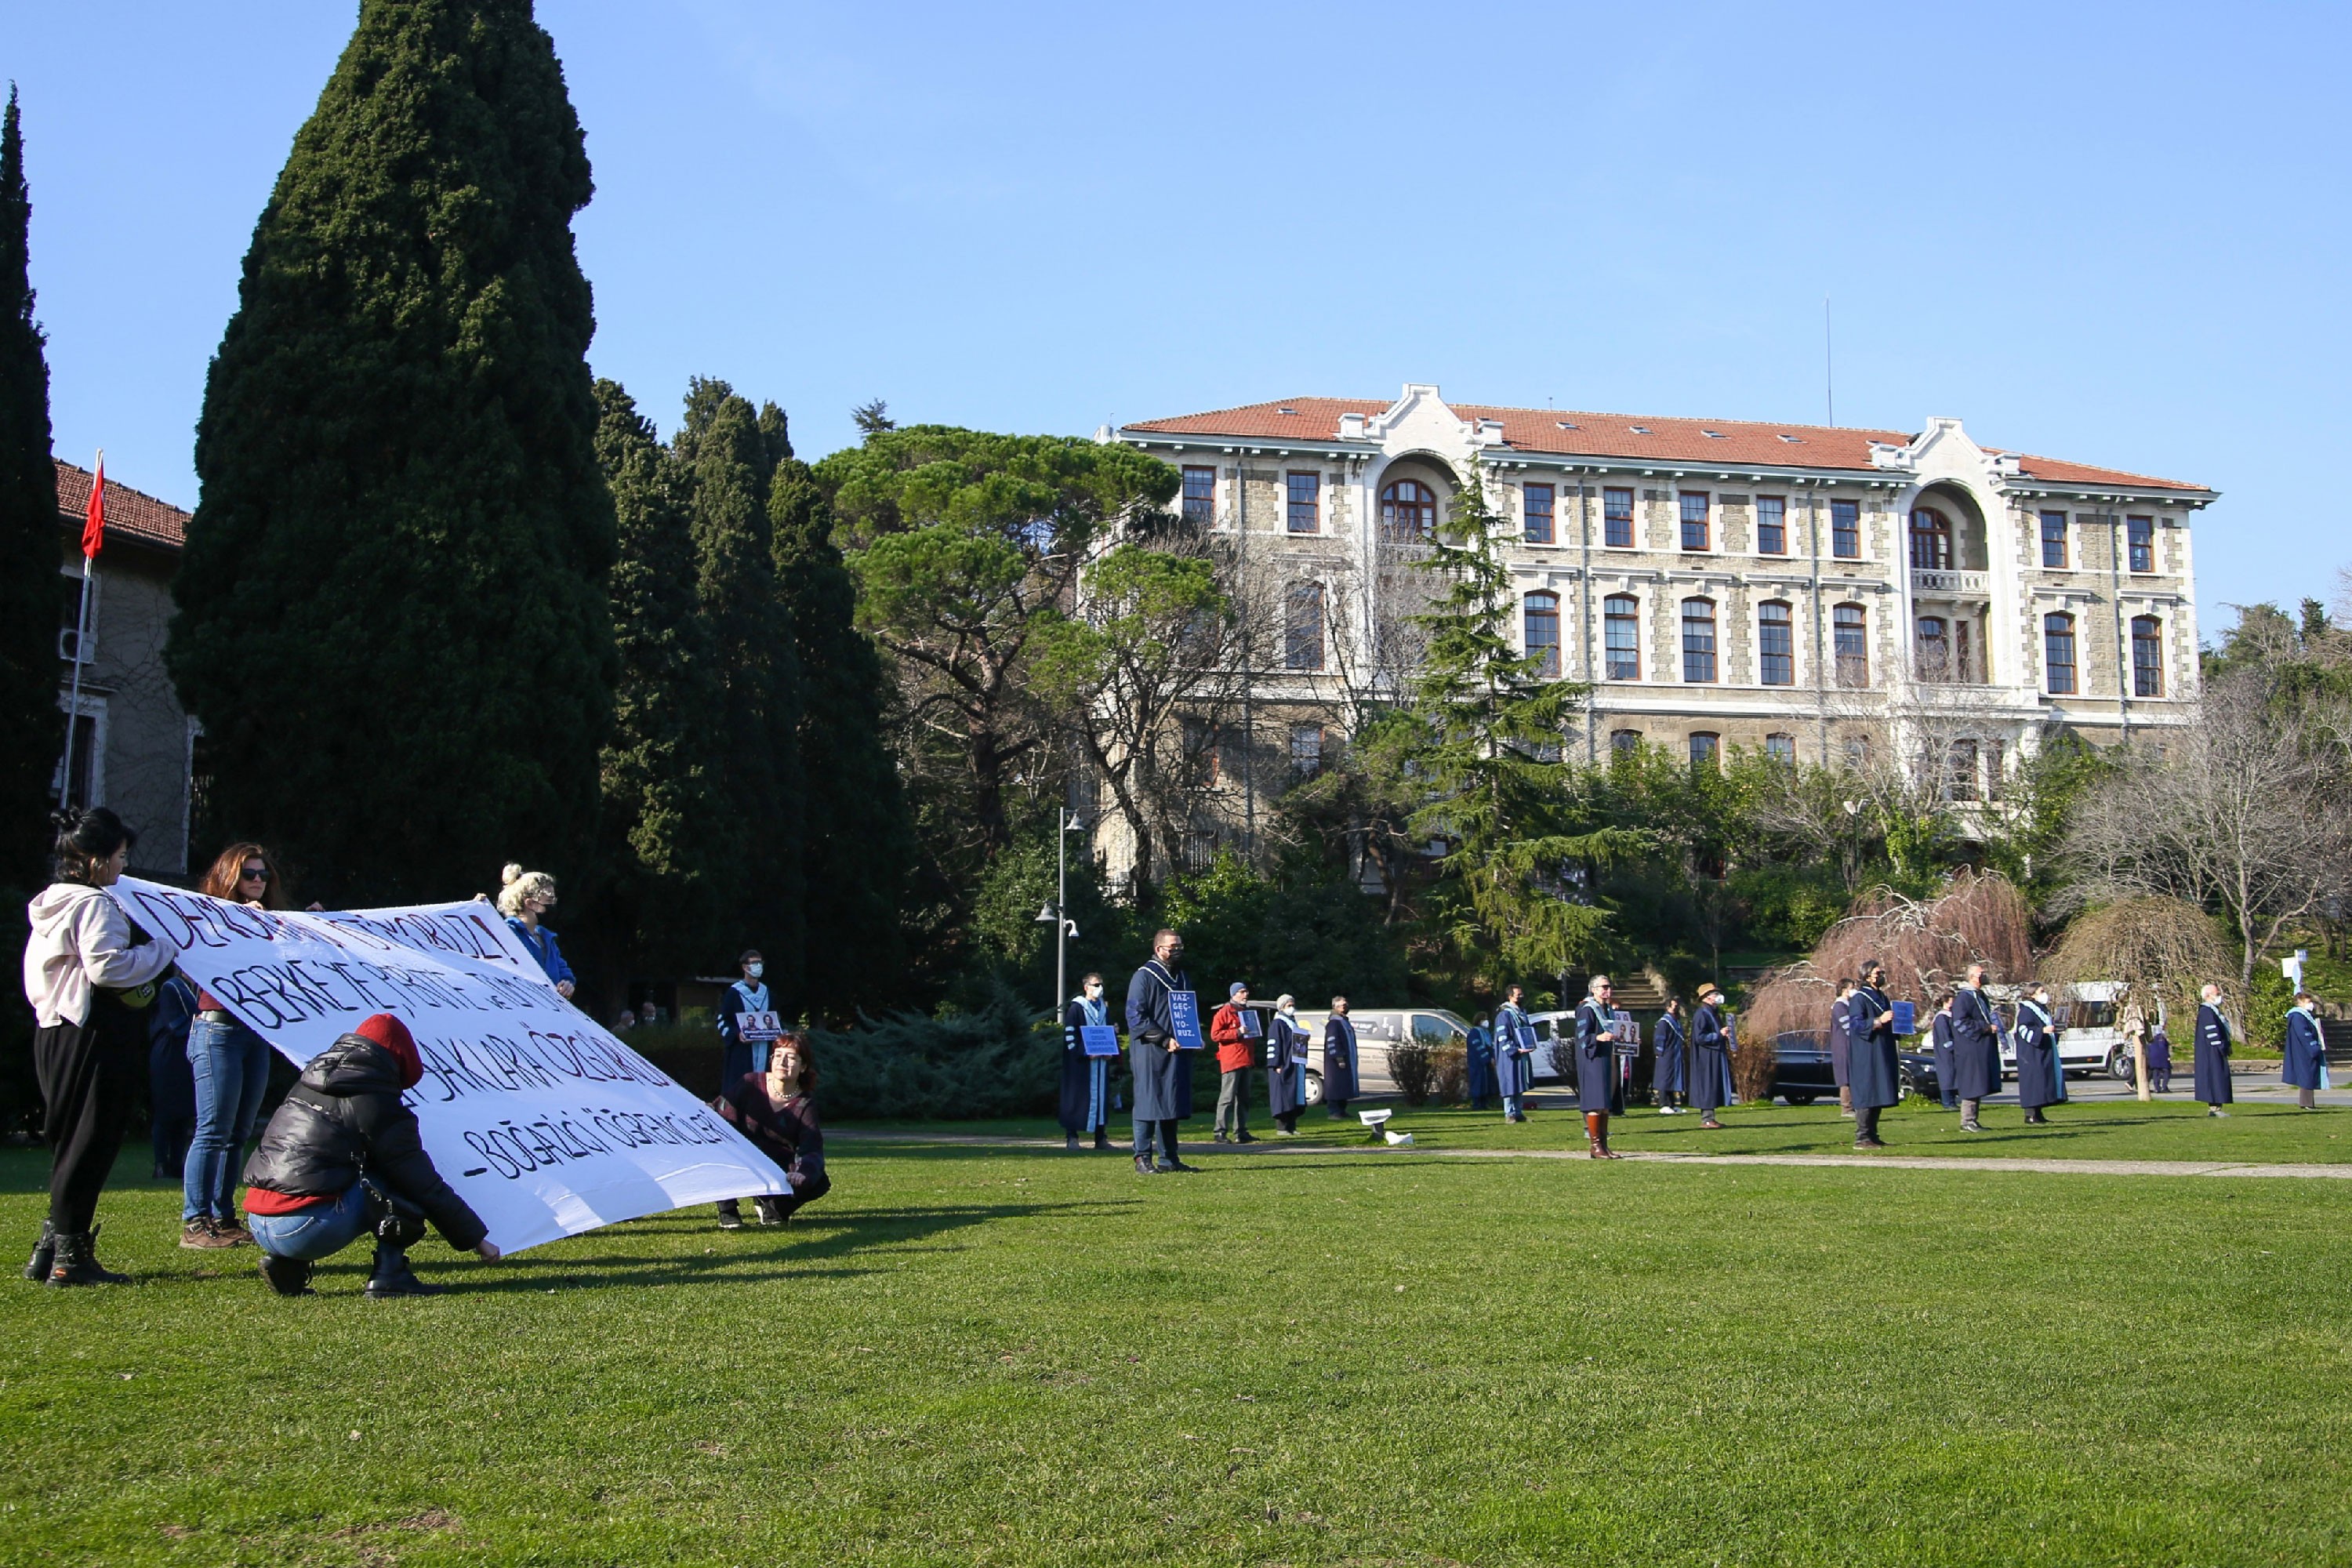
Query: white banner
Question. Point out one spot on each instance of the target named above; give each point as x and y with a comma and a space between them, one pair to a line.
539, 1117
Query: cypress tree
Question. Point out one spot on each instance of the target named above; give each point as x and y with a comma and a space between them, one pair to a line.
28, 547
392, 618
860, 839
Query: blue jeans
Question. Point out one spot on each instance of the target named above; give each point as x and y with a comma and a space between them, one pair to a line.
232, 1069
1511, 1106
316, 1232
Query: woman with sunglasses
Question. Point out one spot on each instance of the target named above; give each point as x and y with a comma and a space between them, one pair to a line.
231, 1064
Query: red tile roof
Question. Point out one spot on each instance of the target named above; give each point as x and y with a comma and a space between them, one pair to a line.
130, 514
1568, 432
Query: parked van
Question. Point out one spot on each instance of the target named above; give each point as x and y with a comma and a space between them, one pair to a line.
2088, 1039
1378, 1030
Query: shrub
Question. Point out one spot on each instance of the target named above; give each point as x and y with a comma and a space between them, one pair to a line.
1413, 1064
1450, 1069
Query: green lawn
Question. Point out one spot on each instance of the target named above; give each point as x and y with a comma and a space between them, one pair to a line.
1012, 1356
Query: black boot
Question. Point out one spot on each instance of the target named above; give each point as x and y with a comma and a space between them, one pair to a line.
45, 1252
1071, 1142
1102, 1139
771, 1209
393, 1276
730, 1214
287, 1275
77, 1263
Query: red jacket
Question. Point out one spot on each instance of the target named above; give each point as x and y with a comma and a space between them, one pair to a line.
1235, 1049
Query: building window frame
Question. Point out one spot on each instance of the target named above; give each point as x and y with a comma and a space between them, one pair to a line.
1699, 640
1408, 519
1776, 643
1617, 517
1620, 621
2139, 541
1200, 491
1539, 631
1536, 521
1931, 540
1303, 500
2060, 673
1705, 749
2147, 656
1771, 525
1697, 521
2055, 556
1781, 747
1845, 530
1304, 650
1850, 634
1306, 751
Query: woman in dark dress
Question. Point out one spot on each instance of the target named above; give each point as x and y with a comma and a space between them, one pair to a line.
1710, 1059
1668, 1076
2305, 1063
1338, 1059
2039, 1072
1599, 1091
2213, 1043
1286, 1065
2160, 1062
1841, 1033
1871, 1069
774, 1111
1939, 1037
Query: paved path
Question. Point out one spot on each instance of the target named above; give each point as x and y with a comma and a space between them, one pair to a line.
1897, 1162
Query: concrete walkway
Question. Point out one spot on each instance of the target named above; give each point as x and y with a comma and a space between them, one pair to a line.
1882, 1161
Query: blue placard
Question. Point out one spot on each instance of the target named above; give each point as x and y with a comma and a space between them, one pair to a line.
1098, 1039
1184, 1017
1907, 1018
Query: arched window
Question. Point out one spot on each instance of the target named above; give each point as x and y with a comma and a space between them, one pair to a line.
1698, 639
2058, 653
1542, 621
1705, 745
1622, 631
1408, 512
1776, 643
1849, 626
1931, 540
1302, 627
2148, 657
1935, 648
1623, 742
1781, 747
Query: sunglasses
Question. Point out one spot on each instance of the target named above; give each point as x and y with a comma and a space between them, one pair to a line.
254, 874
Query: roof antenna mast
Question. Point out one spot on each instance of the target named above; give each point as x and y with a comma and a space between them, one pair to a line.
1828, 364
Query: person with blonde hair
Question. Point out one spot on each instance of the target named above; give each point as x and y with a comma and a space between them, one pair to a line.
524, 897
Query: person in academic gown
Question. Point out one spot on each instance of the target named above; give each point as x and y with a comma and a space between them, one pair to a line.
1286, 1065
2159, 1060
1667, 1047
1872, 1072
1085, 1080
1600, 1092
2040, 1073
1515, 1054
1976, 1048
1710, 1059
2213, 1044
1842, 1046
2305, 1065
1338, 1059
1163, 1074
1481, 1049
739, 1058
1939, 1034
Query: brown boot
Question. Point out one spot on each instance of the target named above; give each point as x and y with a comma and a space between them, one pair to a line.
1606, 1152
1592, 1124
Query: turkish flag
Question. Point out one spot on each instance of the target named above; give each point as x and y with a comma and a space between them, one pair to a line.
93, 531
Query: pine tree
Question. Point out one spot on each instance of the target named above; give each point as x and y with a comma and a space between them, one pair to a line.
724, 453
28, 546
392, 619
860, 844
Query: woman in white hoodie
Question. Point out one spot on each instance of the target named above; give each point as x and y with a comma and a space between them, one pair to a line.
90, 980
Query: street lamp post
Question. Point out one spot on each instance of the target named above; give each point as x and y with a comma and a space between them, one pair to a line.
1057, 912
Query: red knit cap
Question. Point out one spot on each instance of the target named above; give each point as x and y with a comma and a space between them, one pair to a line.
388, 1032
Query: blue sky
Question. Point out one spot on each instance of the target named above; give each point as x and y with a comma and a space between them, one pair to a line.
2114, 234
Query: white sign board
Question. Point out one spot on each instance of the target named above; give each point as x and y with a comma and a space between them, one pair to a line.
539, 1117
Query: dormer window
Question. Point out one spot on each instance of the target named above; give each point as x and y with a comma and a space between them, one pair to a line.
1568, 424
1794, 440
1639, 429
1285, 411
1715, 435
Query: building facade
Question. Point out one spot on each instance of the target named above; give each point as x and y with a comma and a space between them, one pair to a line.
1801, 590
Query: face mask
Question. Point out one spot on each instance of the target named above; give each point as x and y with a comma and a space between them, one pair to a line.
755, 970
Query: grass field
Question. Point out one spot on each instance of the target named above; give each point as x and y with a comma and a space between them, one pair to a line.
1012, 1356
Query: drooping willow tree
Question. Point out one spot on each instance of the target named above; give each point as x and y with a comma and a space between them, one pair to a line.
2156, 951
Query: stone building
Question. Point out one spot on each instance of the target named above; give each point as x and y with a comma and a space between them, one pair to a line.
133, 744
1797, 589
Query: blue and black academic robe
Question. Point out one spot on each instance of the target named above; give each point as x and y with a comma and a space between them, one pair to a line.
1597, 1085
2305, 1065
1939, 1036
1285, 1066
2213, 1056
2040, 1076
1840, 1042
1338, 1060
1872, 1072
1481, 1051
2159, 1053
1085, 1080
1163, 1078
1710, 1060
1976, 1046
1666, 1073
1515, 1050
738, 1056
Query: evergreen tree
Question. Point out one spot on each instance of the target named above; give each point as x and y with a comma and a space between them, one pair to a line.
724, 452
393, 619
28, 545
860, 845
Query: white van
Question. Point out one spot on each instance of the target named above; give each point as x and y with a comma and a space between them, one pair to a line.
1378, 1029
2088, 1039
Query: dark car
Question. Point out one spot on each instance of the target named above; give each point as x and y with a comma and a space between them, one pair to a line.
1802, 1070
1917, 1070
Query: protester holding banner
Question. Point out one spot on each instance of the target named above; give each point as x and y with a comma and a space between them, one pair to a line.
1086, 1077
2212, 1053
524, 897
1338, 1059
1515, 1053
1599, 1094
1976, 1048
91, 979
743, 1015
1158, 1039
1873, 1072
232, 1070
1668, 1077
1710, 1059
1233, 1029
345, 1157
774, 1111
2305, 1060
1286, 1064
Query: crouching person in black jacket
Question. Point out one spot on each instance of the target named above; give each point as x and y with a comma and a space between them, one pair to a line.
344, 1158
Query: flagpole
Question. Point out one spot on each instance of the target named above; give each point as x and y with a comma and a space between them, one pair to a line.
81, 639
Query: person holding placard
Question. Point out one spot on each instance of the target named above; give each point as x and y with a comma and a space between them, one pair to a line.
1710, 1059
2040, 1072
1598, 1093
1285, 1084
1515, 1053
524, 898
2212, 1054
1668, 1076
774, 1109
2304, 1063
1233, 1029
747, 1022
1872, 1068
1976, 1048
1085, 1067
1163, 1026
1338, 1059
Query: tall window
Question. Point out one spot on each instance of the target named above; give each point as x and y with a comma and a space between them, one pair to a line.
2139, 534
1960, 774
1781, 747
1776, 642
1535, 501
1408, 512
1695, 530
1542, 613
1935, 650
1306, 503
1623, 742
1302, 627
1698, 639
1621, 620
2054, 539
1306, 751
1850, 629
1617, 517
2148, 657
1845, 530
1200, 495
1771, 525
2058, 653
1931, 540
1705, 745
1996, 764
